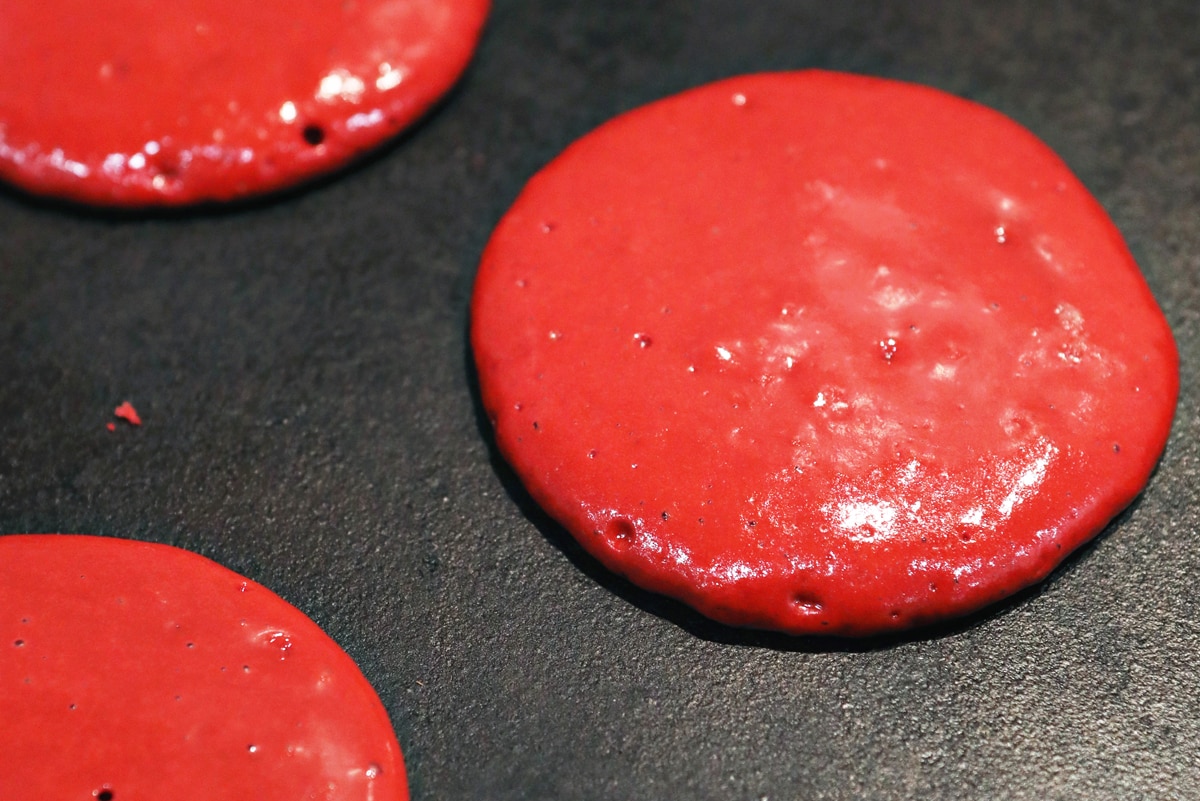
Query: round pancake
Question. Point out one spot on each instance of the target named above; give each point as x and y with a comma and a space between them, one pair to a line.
141, 671
821, 353
136, 103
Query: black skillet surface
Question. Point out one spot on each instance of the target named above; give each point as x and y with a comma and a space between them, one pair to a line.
311, 421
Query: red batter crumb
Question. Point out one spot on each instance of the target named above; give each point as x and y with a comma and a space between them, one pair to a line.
821, 353
138, 671
127, 413
111, 426
134, 103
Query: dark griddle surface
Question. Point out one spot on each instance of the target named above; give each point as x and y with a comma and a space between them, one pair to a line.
311, 422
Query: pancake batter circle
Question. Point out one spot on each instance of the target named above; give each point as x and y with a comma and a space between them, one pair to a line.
821, 353
132, 670
138, 103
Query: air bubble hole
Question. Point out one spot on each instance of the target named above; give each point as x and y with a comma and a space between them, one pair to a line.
313, 134
807, 603
620, 532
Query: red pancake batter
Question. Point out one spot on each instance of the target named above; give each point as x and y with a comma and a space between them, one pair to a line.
136, 102
134, 671
821, 353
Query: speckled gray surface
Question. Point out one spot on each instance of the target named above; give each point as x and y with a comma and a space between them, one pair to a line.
310, 421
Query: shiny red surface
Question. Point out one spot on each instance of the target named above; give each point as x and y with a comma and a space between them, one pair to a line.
821, 353
135, 102
152, 673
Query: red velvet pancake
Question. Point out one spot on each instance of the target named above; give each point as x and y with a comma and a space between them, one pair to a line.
135, 102
134, 671
821, 353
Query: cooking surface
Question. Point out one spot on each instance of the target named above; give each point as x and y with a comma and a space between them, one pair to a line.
311, 421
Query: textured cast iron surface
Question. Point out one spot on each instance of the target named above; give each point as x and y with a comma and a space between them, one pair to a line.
311, 421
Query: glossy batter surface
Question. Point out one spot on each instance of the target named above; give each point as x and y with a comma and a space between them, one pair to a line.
821, 353
136, 102
131, 671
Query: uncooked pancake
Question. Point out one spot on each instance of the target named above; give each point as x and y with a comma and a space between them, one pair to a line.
137, 671
821, 353
135, 102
